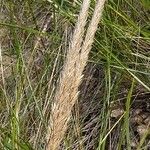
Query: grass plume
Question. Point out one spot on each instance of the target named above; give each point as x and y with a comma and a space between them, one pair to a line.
76, 59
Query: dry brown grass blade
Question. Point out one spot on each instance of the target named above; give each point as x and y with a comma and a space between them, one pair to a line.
67, 92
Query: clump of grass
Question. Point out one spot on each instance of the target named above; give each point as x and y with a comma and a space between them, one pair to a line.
34, 42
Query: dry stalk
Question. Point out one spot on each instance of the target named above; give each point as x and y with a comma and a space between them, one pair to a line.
71, 75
